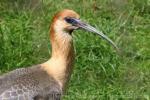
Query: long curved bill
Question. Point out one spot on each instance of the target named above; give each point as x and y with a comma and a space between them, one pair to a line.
90, 28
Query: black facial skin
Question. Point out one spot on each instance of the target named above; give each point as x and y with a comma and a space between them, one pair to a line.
73, 22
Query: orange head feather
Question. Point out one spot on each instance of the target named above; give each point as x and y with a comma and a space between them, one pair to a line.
59, 25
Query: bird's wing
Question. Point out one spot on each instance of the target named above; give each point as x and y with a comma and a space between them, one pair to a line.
25, 84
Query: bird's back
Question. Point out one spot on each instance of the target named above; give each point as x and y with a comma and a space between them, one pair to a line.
28, 84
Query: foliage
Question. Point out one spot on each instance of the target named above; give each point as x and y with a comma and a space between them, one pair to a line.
99, 72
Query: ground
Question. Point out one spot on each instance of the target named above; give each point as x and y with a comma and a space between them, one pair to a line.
100, 73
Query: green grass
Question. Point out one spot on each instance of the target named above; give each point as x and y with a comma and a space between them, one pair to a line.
99, 73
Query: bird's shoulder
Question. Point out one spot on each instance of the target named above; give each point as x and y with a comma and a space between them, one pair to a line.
17, 72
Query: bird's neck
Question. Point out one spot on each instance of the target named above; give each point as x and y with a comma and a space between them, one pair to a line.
61, 62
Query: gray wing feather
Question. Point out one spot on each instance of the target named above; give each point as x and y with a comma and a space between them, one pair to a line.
26, 84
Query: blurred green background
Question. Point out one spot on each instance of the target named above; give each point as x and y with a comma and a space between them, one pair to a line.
99, 73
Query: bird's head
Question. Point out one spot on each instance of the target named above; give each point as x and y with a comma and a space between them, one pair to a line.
65, 21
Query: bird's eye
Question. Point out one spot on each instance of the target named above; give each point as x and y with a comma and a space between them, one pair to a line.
71, 20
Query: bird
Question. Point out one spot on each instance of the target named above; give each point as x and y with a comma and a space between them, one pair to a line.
48, 80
